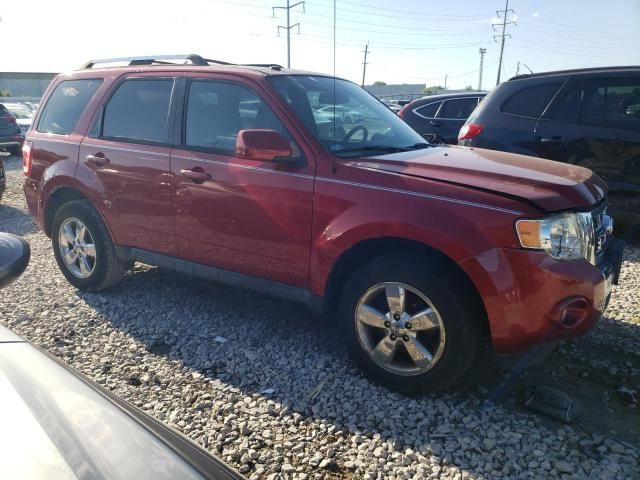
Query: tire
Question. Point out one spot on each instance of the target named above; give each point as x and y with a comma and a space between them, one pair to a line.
106, 270
16, 151
430, 286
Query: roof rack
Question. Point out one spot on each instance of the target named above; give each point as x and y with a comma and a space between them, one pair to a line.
193, 58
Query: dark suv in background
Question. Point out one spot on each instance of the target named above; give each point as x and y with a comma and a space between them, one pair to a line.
588, 117
438, 118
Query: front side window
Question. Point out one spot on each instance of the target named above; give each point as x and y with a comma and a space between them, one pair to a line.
217, 111
531, 102
458, 108
66, 104
139, 111
613, 103
428, 111
343, 117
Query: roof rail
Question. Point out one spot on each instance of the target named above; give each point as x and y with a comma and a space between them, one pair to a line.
154, 60
171, 60
576, 71
273, 66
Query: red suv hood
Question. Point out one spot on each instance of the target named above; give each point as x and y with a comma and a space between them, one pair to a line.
549, 185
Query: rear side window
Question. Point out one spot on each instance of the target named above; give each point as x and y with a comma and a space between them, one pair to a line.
458, 108
566, 106
613, 103
217, 111
65, 105
429, 110
139, 111
531, 101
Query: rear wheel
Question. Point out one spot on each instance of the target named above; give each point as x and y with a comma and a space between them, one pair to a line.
407, 324
83, 248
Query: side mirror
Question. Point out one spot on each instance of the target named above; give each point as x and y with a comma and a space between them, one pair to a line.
263, 145
14, 258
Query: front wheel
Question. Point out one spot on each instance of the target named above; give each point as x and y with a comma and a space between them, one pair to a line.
407, 324
83, 248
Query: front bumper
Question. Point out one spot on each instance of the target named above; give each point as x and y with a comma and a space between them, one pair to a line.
527, 294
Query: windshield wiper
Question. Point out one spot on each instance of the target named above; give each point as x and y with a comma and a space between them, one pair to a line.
372, 148
418, 146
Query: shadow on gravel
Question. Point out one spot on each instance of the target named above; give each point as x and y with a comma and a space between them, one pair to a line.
14, 220
256, 344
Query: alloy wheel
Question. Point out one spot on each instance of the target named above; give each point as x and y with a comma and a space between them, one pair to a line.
399, 328
77, 248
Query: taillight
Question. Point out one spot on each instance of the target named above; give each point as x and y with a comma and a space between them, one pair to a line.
404, 109
11, 118
27, 158
470, 130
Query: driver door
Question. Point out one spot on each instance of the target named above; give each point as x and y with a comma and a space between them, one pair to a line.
246, 216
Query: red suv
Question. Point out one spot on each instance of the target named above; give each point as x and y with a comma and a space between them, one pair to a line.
240, 174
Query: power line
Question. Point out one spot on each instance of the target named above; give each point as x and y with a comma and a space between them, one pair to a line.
413, 13
289, 26
505, 12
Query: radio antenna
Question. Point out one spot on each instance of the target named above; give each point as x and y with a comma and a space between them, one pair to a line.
333, 162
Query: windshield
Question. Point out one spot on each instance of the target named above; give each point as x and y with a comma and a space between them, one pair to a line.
347, 121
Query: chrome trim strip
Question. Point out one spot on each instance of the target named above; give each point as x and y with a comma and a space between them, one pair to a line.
300, 175
246, 167
53, 140
354, 184
423, 195
124, 149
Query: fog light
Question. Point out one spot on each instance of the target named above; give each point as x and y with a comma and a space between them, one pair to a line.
571, 312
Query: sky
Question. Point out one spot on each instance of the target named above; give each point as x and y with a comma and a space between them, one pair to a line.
410, 41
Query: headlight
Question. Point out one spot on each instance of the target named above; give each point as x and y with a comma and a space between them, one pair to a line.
568, 236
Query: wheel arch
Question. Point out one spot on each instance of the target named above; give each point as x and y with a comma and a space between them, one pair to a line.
59, 197
367, 250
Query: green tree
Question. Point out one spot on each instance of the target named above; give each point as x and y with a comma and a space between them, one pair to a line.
5, 93
377, 82
468, 87
433, 89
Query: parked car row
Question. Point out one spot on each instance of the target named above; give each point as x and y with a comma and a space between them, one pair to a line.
242, 175
587, 117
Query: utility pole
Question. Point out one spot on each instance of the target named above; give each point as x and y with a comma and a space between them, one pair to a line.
482, 52
364, 64
445, 82
504, 35
289, 26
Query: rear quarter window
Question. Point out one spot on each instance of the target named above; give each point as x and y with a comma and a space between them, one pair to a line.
66, 104
427, 111
530, 101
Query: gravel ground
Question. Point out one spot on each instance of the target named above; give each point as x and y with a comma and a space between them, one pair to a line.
265, 386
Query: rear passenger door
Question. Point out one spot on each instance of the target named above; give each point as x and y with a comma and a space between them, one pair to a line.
128, 152
519, 115
246, 216
451, 116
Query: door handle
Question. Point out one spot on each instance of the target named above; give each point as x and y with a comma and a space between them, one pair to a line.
98, 160
435, 124
197, 176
